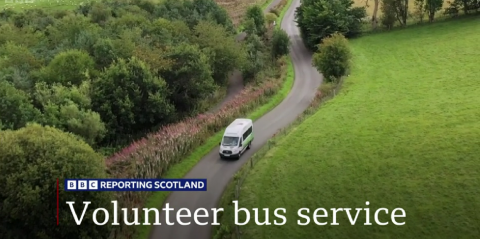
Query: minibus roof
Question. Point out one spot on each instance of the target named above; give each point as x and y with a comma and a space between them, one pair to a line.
237, 126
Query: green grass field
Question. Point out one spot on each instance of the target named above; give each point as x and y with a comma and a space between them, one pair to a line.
43, 4
403, 133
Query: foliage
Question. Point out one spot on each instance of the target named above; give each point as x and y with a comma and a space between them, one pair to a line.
333, 57
189, 44
389, 15
256, 57
394, 10
280, 43
318, 19
71, 67
68, 108
190, 77
30, 160
256, 14
433, 6
270, 18
419, 10
194, 11
128, 97
15, 63
15, 107
226, 53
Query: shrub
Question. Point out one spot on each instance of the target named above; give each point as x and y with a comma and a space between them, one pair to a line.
68, 109
70, 67
388, 17
318, 19
270, 17
275, 11
31, 159
280, 43
190, 77
256, 14
227, 54
333, 57
129, 98
16, 108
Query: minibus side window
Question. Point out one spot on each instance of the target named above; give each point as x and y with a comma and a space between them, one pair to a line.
247, 133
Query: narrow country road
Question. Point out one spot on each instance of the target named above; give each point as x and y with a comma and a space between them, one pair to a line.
219, 172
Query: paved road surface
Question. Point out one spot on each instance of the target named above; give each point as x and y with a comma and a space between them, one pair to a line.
235, 86
219, 172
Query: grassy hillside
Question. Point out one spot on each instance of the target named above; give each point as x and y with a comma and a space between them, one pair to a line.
403, 133
44, 4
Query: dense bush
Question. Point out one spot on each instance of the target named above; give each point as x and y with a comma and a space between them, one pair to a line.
31, 159
333, 57
318, 19
71, 67
255, 14
68, 108
15, 107
280, 43
130, 98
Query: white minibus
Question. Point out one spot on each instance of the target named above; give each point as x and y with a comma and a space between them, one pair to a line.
237, 138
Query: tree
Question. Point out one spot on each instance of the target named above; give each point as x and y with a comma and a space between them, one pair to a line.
249, 26
190, 77
432, 6
73, 31
227, 54
31, 158
16, 107
14, 55
99, 13
104, 53
256, 14
318, 19
280, 43
69, 109
70, 67
420, 9
255, 57
192, 12
16, 62
129, 98
333, 57
394, 9
375, 13
389, 15
167, 32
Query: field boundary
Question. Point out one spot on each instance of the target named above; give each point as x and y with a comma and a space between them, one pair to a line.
413, 22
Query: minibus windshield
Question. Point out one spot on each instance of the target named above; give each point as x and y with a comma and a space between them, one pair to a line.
230, 141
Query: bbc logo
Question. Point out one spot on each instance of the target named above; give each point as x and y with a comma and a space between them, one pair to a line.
81, 185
